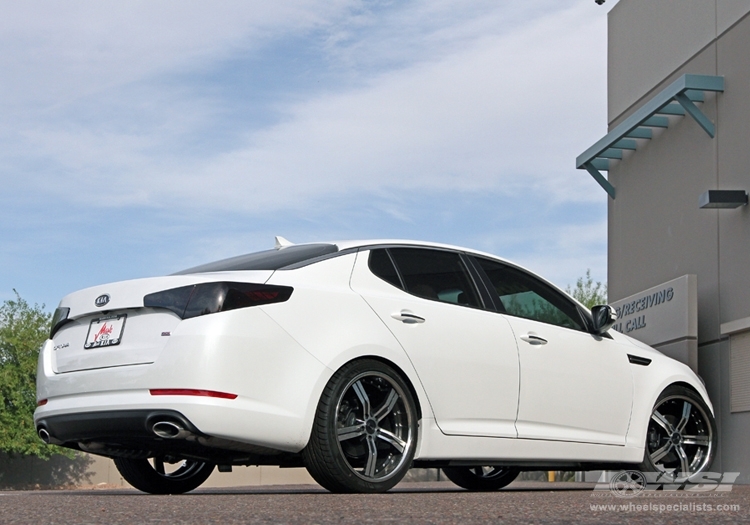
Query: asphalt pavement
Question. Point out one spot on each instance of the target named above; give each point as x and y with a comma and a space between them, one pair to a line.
418, 503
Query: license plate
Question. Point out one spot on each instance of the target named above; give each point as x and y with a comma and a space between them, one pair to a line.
105, 331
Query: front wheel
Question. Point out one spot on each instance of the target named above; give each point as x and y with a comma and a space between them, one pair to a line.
481, 479
365, 430
156, 477
681, 436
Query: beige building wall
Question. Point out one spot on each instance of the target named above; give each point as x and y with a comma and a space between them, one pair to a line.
656, 230
648, 40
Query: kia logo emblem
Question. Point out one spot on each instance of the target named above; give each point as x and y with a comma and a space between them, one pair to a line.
102, 300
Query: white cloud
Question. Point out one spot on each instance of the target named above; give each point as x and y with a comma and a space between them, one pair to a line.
118, 104
57, 51
504, 111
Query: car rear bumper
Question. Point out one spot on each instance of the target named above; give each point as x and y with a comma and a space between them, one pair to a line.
143, 433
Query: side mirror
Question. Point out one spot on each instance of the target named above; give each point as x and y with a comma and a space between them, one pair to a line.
604, 317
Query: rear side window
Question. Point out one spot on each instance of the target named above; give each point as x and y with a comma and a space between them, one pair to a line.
523, 295
382, 266
431, 274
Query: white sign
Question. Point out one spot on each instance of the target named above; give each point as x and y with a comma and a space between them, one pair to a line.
662, 314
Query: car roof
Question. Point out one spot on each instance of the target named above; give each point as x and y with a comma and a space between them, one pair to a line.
346, 245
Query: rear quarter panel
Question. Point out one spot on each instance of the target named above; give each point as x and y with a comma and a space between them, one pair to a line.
335, 324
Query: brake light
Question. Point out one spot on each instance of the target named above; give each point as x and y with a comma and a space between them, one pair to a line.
209, 298
41, 402
190, 392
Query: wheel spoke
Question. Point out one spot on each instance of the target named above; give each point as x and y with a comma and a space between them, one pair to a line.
684, 463
159, 465
372, 458
350, 432
662, 422
686, 409
363, 398
387, 406
702, 441
663, 451
397, 443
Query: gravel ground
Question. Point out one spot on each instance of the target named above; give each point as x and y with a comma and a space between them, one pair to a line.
432, 502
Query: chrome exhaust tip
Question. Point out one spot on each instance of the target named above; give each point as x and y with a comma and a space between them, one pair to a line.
44, 435
169, 430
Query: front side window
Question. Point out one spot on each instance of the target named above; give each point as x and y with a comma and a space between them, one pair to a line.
523, 295
431, 274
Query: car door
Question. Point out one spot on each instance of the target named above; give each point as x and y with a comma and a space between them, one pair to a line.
465, 356
575, 386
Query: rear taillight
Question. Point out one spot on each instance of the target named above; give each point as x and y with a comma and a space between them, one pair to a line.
210, 298
59, 318
190, 392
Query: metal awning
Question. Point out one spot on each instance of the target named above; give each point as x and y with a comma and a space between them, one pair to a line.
678, 98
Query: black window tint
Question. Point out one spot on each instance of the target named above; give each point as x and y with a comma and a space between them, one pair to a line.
382, 266
435, 274
522, 295
265, 260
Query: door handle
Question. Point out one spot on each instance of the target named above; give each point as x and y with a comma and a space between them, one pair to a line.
533, 339
407, 317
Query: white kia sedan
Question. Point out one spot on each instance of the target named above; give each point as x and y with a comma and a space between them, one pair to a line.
359, 361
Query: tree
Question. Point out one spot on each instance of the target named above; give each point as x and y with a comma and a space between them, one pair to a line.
23, 330
587, 292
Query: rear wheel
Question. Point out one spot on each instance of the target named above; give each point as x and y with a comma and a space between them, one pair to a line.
481, 479
156, 476
365, 430
681, 435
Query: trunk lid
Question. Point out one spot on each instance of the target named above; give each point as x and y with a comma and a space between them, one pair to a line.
109, 326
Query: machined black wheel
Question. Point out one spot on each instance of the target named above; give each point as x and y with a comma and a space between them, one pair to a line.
481, 479
157, 476
681, 436
365, 430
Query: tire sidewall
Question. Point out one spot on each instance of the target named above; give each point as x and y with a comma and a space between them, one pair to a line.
142, 476
680, 391
348, 479
465, 478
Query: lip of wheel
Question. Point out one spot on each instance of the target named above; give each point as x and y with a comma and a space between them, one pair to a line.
382, 432
676, 421
187, 469
489, 472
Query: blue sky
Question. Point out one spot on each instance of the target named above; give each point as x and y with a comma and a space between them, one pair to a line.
139, 138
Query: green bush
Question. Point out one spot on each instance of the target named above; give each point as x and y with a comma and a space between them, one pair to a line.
23, 330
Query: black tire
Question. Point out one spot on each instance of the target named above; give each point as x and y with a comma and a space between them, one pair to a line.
681, 438
143, 475
481, 479
365, 431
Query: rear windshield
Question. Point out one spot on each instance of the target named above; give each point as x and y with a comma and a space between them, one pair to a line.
265, 260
